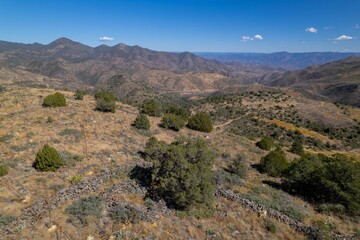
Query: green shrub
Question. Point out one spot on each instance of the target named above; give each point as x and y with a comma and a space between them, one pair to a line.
5, 220
4, 170
274, 163
54, 100
201, 122
270, 226
105, 101
76, 179
297, 146
104, 105
142, 122
238, 166
50, 119
266, 143
106, 95
151, 108
125, 213
48, 159
181, 172
79, 95
80, 210
172, 121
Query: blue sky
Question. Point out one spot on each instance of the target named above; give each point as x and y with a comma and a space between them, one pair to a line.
188, 25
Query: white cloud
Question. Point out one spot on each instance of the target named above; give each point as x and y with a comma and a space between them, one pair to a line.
106, 39
328, 28
343, 37
248, 38
357, 26
311, 29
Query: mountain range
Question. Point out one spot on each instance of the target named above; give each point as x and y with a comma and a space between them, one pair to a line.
135, 73
286, 60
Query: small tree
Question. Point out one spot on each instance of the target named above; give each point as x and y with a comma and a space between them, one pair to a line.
266, 143
274, 163
172, 121
238, 166
181, 172
142, 122
297, 146
48, 159
201, 122
151, 108
54, 100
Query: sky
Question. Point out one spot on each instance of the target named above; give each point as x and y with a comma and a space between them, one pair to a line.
188, 25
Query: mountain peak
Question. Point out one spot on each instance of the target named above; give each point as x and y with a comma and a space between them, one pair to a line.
63, 41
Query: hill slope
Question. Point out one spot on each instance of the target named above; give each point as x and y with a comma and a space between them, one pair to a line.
338, 81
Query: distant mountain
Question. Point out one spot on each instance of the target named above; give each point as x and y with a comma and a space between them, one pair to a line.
121, 68
338, 80
289, 61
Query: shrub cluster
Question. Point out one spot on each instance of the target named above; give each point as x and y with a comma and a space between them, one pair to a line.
172, 121
266, 143
181, 172
201, 122
334, 180
151, 108
105, 101
48, 159
142, 122
274, 163
54, 100
179, 111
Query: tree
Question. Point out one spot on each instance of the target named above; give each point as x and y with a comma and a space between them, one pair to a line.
142, 122
201, 122
326, 179
266, 143
48, 159
172, 121
151, 108
54, 100
181, 172
297, 146
274, 163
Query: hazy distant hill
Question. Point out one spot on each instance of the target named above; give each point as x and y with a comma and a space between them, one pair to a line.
286, 60
338, 80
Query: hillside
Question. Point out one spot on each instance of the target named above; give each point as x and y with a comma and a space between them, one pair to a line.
286, 60
101, 150
338, 81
